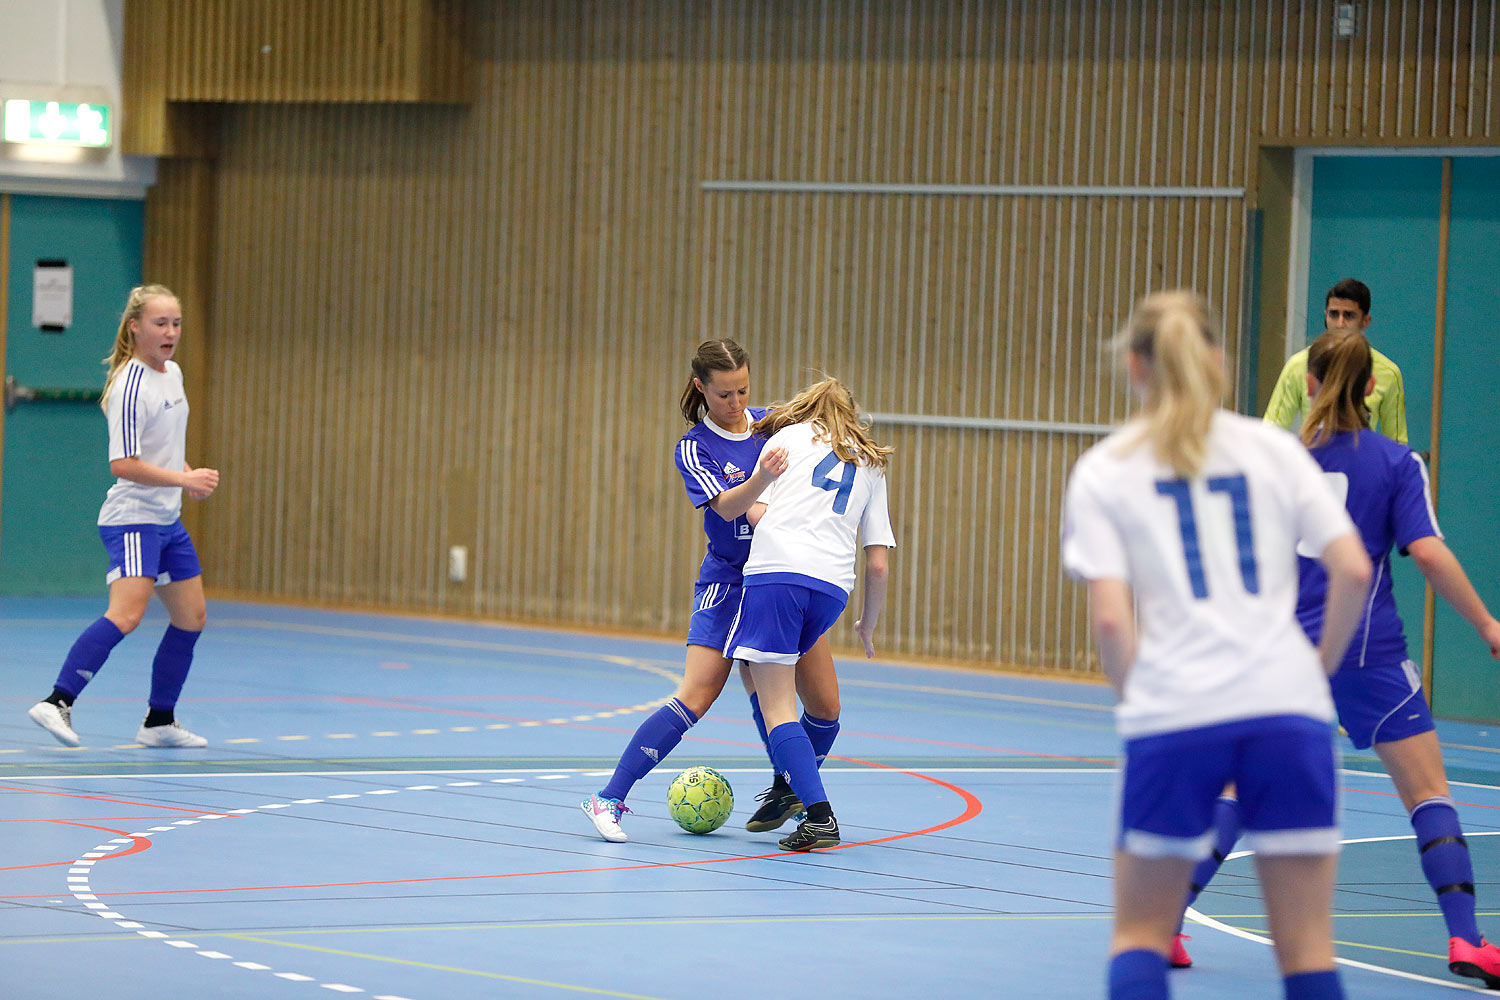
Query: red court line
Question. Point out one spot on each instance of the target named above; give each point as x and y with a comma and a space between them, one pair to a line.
972, 808
141, 844
102, 798
1393, 795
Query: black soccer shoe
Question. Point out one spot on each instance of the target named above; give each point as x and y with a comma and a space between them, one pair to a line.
778, 804
810, 836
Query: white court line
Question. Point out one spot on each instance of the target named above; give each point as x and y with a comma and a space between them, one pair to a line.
1213, 924
1102, 769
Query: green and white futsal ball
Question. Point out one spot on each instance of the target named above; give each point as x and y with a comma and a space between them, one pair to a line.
700, 799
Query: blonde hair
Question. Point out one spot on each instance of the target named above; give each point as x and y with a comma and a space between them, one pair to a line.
1176, 336
124, 348
1341, 362
711, 356
829, 407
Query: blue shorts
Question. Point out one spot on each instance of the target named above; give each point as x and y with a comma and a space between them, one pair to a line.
1381, 703
162, 551
778, 622
1284, 766
714, 608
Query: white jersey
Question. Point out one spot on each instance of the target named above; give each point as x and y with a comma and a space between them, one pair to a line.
1212, 562
148, 414
814, 511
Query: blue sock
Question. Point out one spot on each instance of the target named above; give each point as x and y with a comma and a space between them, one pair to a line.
1314, 986
1138, 975
1226, 832
760, 724
1445, 862
792, 754
656, 737
820, 733
170, 668
88, 654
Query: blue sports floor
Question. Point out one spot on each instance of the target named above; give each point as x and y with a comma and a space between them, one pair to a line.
389, 808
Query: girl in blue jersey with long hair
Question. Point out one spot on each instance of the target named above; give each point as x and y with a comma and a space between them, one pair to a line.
149, 550
725, 467
1184, 523
1377, 689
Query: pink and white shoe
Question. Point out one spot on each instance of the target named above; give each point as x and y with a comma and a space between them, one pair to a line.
1178, 958
1482, 962
606, 816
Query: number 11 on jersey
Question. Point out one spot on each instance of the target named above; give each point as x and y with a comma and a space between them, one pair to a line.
1238, 492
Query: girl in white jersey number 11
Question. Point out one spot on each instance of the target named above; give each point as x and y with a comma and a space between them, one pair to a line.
1185, 524
147, 545
800, 572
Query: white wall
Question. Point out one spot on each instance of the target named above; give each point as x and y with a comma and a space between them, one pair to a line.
46, 45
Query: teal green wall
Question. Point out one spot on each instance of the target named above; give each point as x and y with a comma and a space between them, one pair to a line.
1466, 684
56, 458
1376, 219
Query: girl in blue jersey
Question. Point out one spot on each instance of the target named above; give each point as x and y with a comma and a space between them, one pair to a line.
724, 470
801, 571
1377, 689
147, 545
1184, 523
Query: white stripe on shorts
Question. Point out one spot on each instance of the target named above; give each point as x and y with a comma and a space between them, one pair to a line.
1316, 840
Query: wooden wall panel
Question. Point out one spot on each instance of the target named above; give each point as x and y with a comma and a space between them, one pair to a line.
439, 326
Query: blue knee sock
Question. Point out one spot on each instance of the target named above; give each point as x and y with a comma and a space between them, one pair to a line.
88, 654
760, 724
656, 737
1445, 862
820, 733
1313, 986
170, 668
1226, 832
1138, 975
792, 753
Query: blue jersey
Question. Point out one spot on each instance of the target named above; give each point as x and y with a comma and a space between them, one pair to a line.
711, 461
1384, 487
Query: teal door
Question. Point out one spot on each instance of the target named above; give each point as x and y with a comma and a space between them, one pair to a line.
56, 461
1377, 218
1465, 683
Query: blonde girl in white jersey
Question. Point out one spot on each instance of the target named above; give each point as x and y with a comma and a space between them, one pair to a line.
800, 572
1187, 521
147, 545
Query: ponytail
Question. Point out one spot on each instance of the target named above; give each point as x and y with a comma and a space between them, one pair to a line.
1341, 362
1176, 335
712, 356
124, 348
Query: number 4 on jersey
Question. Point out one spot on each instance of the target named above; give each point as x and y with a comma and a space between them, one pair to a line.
843, 486
1238, 491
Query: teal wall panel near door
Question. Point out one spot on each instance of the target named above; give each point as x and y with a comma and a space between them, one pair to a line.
1468, 475
56, 462
1375, 218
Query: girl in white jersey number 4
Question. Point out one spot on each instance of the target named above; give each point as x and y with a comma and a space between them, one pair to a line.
1186, 521
800, 572
147, 545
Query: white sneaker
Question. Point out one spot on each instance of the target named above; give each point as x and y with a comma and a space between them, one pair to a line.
170, 735
57, 720
606, 816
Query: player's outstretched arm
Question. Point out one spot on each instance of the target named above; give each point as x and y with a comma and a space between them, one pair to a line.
1443, 570
739, 499
877, 576
203, 481
1349, 571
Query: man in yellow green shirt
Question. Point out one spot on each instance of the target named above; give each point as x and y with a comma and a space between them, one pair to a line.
1345, 307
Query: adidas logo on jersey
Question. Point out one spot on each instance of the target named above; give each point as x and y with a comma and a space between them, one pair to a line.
651, 752
733, 472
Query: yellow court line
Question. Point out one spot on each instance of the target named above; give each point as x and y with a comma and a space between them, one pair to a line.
445, 968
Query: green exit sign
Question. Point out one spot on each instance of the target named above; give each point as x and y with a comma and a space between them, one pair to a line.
57, 123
